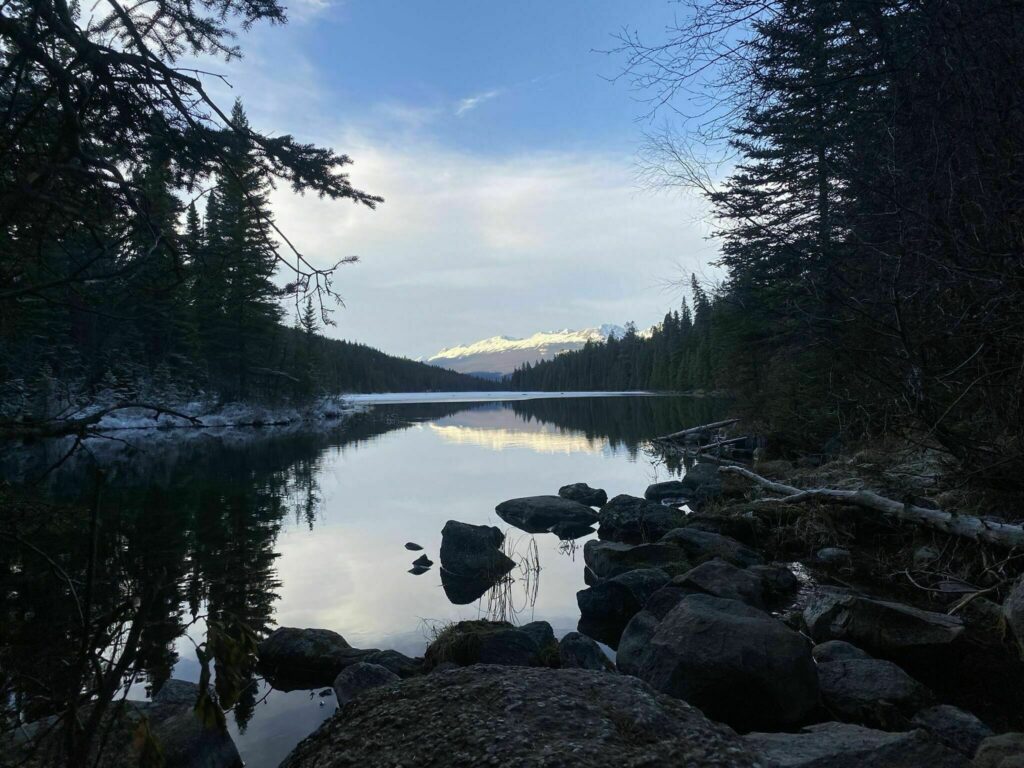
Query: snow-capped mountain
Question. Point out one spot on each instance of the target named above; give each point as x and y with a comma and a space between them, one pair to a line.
500, 355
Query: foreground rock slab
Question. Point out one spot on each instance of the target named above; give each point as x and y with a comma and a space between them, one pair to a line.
488, 715
841, 745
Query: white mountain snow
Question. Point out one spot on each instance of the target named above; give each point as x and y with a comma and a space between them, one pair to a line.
500, 355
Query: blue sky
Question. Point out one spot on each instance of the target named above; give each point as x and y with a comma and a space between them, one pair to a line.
505, 154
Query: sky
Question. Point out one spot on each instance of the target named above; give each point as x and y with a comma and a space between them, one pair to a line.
506, 152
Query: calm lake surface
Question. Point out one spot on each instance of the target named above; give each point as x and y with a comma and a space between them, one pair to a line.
306, 528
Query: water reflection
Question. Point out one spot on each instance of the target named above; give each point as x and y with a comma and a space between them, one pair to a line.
177, 551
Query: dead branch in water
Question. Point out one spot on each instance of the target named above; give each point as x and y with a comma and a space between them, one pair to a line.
698, 430
967, 526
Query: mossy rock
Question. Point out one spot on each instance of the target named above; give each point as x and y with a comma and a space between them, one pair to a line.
483, 642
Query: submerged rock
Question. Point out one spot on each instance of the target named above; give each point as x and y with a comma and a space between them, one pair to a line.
576, 651
294, 658
488, 715
703, 545
538, 514
474, 551
871, 692
360, 677
841, 745
606, 559
635, 521
737, 664
954, 727
584, 494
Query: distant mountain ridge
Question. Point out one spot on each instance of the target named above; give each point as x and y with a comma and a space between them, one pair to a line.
501, 355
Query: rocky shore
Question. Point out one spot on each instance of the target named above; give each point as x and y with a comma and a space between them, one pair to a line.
737, 641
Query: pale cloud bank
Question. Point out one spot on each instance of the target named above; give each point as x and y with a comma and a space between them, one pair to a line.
472, 102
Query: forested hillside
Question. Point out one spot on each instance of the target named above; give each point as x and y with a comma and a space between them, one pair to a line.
869, 220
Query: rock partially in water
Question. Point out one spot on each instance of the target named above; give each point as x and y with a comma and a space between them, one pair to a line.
954, 727
616, 600
576, 651
704, 545
880, 627
474, 551
356, 679
737, 664
486, 715
669, 489
584, 494
635, 521
836, 650
871, 692
841, 745
294, 658
538, 514
422, 562
483, 642
1003, 751
700, 483
611, 558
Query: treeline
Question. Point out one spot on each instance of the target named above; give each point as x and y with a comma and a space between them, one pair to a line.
870, 224
191, 305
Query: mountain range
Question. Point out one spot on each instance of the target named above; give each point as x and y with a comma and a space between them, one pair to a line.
500, 355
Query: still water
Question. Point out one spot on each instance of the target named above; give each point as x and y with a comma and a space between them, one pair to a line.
307, 528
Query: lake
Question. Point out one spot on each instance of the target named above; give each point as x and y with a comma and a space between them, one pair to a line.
306, 527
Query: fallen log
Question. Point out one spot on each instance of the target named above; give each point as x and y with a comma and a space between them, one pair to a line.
83, 425
722, 444
698, 430
966, 526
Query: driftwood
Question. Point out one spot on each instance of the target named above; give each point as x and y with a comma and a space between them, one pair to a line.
81, 426
966, 526
697, 430
722, 443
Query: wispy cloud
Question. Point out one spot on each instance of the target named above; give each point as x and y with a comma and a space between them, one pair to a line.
472, 102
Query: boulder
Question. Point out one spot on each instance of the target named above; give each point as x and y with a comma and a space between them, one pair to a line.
635, 521
841, 745
779, 583
721, 579
880, 627
617, 599
537, 514
704, 545
542, 635
487, 715
736, 663
399, 663
635, 642
871, 692
742, 526
483, 642
584, 494
576, 651
355, 679
294, 658
669, 489
474, 551
703, 481
954, 727
184, 739
606, 559
836, 650
1013, 612
1003, 751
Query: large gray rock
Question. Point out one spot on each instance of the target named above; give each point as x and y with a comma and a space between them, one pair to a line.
737, 664
668, 489
954, 727
1003, 751
722, 579
355, 679
879, 627
576, 651
841, 745
485, 715
616, 600
780, 583
635, 521
399, 663
293, 658
703, 545
541, 633
871, 692
837, 650
584, 494
474, 551
538, 514
635, 642
483, 642
606, 559
1013, 612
